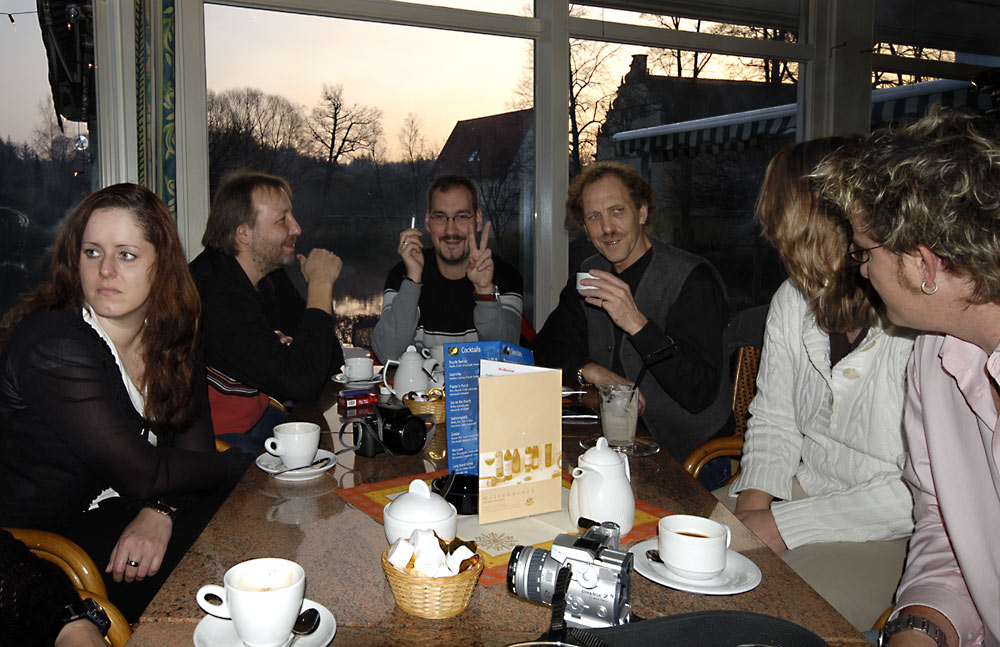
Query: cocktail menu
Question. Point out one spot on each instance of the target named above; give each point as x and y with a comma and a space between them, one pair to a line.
520, 441
461, 382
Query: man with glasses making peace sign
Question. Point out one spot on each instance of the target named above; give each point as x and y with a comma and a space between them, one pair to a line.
453, 291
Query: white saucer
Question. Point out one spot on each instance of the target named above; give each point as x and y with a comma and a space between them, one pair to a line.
340, 378
272, 464
219, 632
739, 576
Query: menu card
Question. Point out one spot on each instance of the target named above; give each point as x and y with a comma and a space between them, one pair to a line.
520, 441
461, 383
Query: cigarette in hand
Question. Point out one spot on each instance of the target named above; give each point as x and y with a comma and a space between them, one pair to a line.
413, 222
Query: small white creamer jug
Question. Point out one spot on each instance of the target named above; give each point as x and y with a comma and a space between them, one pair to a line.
602, 488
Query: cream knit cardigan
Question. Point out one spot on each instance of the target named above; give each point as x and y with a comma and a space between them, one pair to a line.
838, 431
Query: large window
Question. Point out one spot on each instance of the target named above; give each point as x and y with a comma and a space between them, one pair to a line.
47, 142
360, 131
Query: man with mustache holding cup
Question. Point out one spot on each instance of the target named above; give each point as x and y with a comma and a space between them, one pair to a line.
644, 298
261, 339
453, 291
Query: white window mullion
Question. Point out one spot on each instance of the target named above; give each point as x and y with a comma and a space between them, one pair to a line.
191, 124
114, 45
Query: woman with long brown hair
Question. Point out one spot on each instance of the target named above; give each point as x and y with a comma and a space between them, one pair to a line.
821, 474
105, 432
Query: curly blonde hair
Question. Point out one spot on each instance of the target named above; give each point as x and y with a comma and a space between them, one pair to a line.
933, 183
812, 242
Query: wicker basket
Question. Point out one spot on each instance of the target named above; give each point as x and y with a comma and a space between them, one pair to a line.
432, 597
437, 407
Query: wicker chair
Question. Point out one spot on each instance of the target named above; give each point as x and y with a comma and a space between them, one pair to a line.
747, 361
82, 572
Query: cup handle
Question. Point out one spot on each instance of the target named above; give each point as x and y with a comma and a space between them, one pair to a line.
219, 610
272, 446
729, 536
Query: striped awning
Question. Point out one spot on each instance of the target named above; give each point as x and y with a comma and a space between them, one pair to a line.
741, 129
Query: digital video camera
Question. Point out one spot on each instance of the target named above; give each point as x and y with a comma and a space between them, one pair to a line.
598, 592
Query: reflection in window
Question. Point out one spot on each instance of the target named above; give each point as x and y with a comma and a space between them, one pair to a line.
361, 131
47, 152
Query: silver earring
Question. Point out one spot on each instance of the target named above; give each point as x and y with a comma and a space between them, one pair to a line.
926, 290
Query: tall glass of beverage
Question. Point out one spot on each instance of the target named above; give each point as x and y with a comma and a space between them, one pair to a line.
619, 411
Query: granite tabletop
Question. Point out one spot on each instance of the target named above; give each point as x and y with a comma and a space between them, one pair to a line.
339, 546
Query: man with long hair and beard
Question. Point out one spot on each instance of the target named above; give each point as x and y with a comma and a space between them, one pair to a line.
263, 342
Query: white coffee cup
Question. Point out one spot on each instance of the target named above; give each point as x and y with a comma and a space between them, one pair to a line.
295, 443
359, 368
263, 597
693, 547
584, 275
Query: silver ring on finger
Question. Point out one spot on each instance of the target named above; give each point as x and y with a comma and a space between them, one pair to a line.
133, 563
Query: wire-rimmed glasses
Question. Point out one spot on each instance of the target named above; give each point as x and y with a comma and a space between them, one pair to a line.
458, 218
859, 255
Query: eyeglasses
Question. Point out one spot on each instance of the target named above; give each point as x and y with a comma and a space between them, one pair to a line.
460, 219
859, 255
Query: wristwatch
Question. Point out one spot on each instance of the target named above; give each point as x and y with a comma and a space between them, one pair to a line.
492, 296
85, 609
162, 508
910, 623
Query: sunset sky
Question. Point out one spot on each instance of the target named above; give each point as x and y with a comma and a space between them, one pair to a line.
442, 76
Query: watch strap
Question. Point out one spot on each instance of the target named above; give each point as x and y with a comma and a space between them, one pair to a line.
911, 623
162, 508
492, 296
85, 609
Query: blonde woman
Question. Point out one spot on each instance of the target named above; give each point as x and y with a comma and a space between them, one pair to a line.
820, 478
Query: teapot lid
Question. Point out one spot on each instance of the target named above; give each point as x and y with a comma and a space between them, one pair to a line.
412, 353
420, 504
601, 454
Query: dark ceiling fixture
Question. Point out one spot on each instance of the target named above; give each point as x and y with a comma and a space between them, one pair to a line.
68, 33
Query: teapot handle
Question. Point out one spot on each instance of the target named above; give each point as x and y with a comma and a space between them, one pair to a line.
628, 471
385, 373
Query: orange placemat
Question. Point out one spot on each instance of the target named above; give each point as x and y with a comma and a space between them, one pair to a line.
497, 540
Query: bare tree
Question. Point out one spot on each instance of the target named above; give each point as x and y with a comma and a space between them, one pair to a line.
676, 61
47, 138
590, 95
339, 131
592, 89
247, 127
767, 70
882, 79
416, 158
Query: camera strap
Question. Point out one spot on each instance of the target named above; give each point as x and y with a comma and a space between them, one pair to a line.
558, 629
367, 429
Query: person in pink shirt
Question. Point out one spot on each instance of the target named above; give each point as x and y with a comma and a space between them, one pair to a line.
924, 201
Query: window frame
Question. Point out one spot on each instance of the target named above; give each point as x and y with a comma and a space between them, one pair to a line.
835, 53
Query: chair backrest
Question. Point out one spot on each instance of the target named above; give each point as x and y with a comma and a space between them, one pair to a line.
744, 385
67, 555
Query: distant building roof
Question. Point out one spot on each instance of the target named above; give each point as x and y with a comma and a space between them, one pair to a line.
485, 147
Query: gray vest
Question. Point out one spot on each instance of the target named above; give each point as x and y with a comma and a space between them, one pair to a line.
676, 430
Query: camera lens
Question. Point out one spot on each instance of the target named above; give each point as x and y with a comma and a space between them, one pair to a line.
524, 573
410, 436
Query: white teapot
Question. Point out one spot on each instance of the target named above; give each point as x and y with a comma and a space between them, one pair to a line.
602, 488
410, 373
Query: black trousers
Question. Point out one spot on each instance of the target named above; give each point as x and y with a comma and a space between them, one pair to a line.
98, 530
